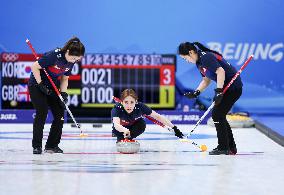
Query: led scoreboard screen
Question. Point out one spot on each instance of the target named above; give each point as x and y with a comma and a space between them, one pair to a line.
151, 76
96, 79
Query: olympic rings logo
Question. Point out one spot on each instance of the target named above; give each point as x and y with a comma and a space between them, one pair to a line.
10, 57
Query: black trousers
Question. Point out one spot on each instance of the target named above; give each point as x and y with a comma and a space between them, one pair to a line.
224, 131
41, 103
135, 130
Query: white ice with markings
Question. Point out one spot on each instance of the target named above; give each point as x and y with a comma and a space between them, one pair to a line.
164, 166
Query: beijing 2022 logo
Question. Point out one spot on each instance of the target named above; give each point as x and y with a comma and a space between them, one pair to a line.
241, 51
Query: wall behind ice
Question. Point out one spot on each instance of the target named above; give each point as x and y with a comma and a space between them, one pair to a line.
236, 28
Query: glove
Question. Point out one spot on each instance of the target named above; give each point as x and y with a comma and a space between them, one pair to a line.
65, 98
192, 94
43, 88
218, 96
178, 133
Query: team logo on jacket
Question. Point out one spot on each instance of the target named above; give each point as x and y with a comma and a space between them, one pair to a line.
124, 122
57, 70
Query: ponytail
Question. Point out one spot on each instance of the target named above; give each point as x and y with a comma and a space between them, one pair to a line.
75, 47
203, 48
185, 47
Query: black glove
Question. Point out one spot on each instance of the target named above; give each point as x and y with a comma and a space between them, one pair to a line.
192, 94
218, 96
65, 98
43, 88
178, 133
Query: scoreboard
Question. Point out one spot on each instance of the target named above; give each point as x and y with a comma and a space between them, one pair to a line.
151, 76
96, 79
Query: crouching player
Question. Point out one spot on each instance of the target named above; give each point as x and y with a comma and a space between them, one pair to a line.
127, 117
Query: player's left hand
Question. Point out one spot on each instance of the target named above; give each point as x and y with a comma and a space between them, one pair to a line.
218, 96
178, 133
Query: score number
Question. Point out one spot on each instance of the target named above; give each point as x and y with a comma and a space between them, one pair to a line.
96, 86
167, 78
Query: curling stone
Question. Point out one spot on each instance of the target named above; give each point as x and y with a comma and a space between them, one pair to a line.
127, 146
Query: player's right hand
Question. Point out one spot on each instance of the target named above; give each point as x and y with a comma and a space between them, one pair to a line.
192, 94
126, 134
218, 96
43, 88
